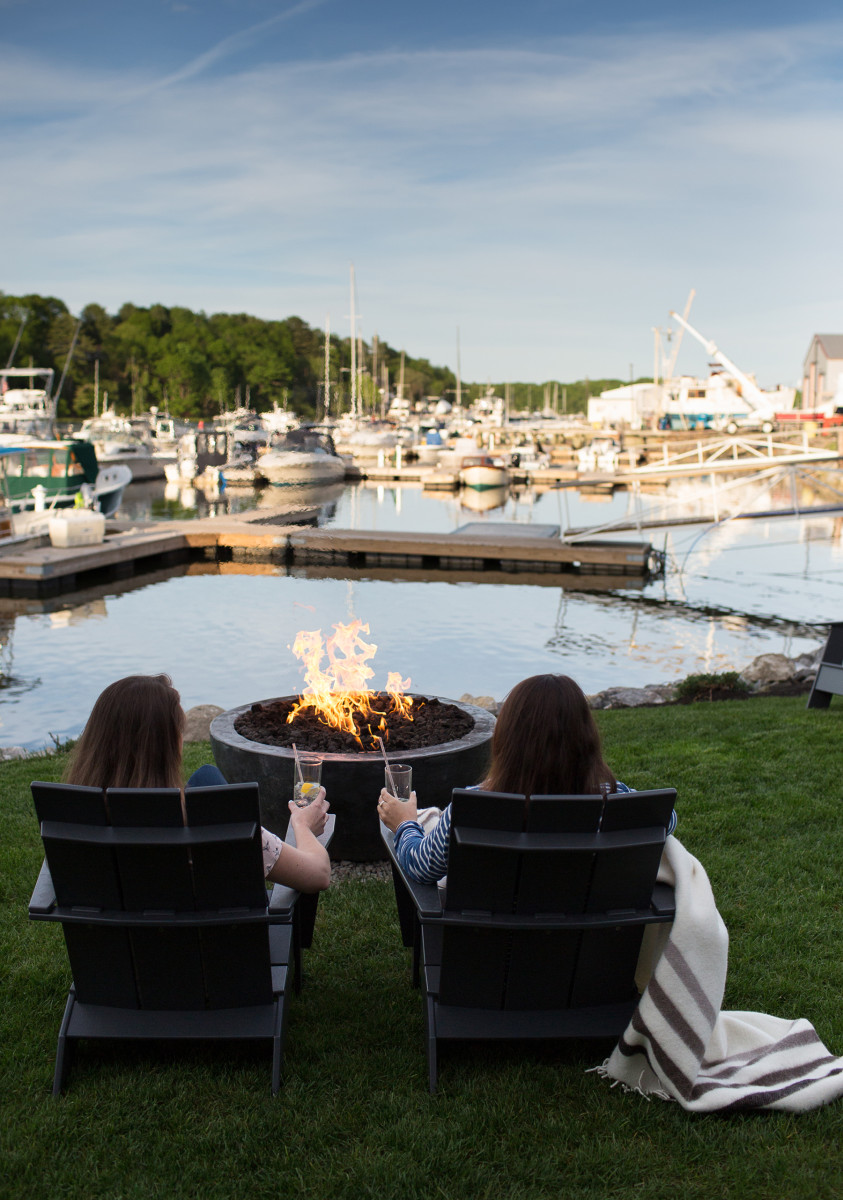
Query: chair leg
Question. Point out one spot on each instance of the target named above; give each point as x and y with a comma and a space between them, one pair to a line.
297, 941
278, 1042
417, 954
430, 1032
64, 1049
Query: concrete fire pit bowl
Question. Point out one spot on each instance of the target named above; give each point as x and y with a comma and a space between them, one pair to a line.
352, 781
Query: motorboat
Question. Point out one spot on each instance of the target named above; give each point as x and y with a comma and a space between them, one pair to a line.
27, 411
278, 420
304, 455
481, 471
116, 442
241, 467
601, 455
37, 477
162, 431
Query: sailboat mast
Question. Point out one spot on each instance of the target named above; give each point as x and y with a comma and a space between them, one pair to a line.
353, 351
459, 381
14, 349
326, 399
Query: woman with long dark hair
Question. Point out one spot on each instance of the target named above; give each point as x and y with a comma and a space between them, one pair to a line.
545, 743
133, 739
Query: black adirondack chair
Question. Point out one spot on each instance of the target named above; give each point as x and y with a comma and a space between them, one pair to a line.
170, 930
537, 931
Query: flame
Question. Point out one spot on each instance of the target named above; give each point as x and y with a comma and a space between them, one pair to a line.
340, 692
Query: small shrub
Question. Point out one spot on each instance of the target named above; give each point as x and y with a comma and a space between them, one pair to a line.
727, 685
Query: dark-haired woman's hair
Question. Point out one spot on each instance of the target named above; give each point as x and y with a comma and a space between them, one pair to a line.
546, 741
133, 737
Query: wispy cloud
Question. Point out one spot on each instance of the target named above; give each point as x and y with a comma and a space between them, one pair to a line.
244, 39
559, 192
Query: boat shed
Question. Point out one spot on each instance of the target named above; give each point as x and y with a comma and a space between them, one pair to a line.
823, 370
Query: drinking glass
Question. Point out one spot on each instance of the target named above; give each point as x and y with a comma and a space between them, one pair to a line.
402, 780
306, 785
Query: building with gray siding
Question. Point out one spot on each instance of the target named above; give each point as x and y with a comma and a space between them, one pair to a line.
822, 370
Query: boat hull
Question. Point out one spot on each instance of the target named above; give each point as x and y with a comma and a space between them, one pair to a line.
481, 478
285, 467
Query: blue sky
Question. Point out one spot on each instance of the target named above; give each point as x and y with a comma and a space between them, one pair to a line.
551, 178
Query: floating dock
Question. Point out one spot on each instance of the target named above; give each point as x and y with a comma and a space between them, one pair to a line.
483, 551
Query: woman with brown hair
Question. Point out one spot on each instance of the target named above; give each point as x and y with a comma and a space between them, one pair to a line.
133, 739
545, 743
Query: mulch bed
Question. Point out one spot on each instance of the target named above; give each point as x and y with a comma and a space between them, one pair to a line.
432, 724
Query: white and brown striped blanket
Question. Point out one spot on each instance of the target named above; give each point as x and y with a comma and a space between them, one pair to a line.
680, 1046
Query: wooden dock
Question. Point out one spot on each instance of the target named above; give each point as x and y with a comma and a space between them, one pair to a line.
488, 551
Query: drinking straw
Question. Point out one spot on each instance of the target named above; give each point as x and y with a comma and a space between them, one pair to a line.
386, 764
298, 764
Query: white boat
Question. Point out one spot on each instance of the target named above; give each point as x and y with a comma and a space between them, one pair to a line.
481, 471
117, 442
303, 456
162, 432
29, 411
278, 420
600, 455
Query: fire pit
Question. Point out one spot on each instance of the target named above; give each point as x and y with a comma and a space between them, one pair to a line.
351, 727
352, 779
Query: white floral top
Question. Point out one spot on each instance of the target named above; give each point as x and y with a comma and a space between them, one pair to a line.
271, 846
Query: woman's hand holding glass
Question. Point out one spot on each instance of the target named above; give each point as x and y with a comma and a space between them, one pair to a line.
394, 812
313, 816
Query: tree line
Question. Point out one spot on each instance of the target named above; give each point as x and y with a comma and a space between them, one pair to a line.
195, 365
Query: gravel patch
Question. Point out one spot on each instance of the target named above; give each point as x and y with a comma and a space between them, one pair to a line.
341, 871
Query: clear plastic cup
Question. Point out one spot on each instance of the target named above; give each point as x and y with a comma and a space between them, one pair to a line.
402, 780
307, 784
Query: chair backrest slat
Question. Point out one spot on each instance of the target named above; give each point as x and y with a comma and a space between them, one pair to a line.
638, 810
82, 875
153, 878
484, 879
543, 887
231, 875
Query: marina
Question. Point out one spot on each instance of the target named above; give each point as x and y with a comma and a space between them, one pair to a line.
474, 544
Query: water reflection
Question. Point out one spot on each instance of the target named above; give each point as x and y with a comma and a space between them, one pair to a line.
732, 591
180, 501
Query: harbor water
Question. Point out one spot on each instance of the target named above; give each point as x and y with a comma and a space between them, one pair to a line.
731, 590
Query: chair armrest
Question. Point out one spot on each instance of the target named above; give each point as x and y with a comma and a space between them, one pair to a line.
324, 838
664, 899
43, 899
282, 900
426, 897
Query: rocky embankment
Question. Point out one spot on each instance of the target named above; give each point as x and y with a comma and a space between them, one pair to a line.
766, 675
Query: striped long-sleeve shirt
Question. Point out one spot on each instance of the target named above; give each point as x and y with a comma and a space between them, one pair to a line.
424, 856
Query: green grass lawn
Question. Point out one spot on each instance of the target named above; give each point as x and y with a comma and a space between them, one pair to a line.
759, 804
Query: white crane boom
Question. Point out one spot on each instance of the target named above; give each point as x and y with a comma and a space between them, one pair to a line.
751, 392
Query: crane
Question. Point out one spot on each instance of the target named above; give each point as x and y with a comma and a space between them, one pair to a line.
751, 392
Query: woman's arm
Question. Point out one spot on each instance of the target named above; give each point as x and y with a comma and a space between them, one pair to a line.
424, 856
305, 866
